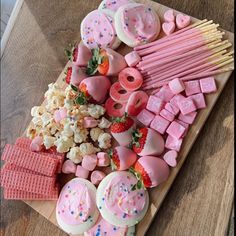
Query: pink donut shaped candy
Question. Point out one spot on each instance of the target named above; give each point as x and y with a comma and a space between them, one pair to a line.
130, 79
118, 93
114, 109
113, 5
136, 103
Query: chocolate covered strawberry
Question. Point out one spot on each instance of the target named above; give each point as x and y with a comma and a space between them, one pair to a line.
122, 158
146, 141
122, 128
150, 172
106, 62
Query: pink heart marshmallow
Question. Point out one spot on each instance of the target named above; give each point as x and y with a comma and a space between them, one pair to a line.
97, 176
170, 158
103, 159
168, 27
169, 16
68, 167
90, 122
182, 21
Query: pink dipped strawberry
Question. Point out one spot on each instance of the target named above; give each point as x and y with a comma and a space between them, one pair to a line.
122, 158
150, 172
146, 141
74, 75
122, 128
106, 62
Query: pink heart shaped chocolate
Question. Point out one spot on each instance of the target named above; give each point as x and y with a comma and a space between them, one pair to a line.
169, 16
170, 158
168, 27
182, 21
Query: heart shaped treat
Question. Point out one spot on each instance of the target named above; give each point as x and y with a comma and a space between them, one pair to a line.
182, 21
168, 27
169, 16
170, 158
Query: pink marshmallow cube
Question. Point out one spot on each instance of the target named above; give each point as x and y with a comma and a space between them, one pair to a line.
189, 118
68, 167
103, 159
81, 172
155, 104
185, 125
89, 162
176, 86
208, 85
97, 176
173, 143
172, 108
145, 117
175, 100
199, 100
186, 106
90, 122
192, 87
167, 115
132, 58
165, 93
160, 124
176, 130
170, 158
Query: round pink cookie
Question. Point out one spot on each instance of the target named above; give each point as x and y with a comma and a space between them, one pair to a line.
113, 5
118, 93
114, 109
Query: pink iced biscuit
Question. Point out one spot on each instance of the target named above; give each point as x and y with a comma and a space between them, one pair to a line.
187, 106
118, 93
81, 172
208, 85
97, 176
155, 104
199, 100
169, 16
60, 114
115, 109
167, 115
176, 130
103, 159
170, 158
113, 5
168, 27
176, 86
145, 117
89, 162
90, 122
160, 124
68, 167
175, 100
185, 125
172, 108
182, 21
165, 93
189, 118
192, 87
132, 59
36, 144
173, 143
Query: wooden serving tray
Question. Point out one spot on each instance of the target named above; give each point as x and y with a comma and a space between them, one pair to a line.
157, 195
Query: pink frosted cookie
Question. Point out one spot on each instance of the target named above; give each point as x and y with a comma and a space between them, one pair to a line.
136, 24
113, 5
116, 201
76, 210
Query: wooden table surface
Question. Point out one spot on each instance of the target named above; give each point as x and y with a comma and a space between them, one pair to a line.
199, 202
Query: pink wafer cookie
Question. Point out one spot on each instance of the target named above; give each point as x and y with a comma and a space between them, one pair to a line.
9, 166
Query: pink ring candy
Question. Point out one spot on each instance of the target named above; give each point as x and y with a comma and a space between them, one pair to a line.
114, 109
118, 93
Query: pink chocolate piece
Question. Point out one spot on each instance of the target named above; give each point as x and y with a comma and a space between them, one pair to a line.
90, 122
189, 118
182, 21
132, 58
173, 143
199, 100
168, 27
89, 162
187, 106
192, 87
176, 86
97, 176
170, 158
160, 124
81, 172
145, 117
175, 100
165, 93
68, 167
169, 16
208, 85
103, 159
167, 115
36, 144
155, 104
176, 130
185, 125
172, 108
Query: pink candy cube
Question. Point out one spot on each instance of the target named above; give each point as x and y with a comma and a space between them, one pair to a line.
165, 93
175, 100
185, 125
186, 106
160, 124
176, 130
103, 159
132, 58
189, 118
173, 143
145, 117
176, 86
199, 100
97, 176
172, 108
89, 162
155, 104
208, 85
167, 115
81, 172
192, 87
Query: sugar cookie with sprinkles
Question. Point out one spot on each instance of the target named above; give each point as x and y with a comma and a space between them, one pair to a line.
118, 203
76, 210
113, 5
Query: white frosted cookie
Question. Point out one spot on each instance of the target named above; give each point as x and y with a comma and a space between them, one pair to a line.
76, 210
118, 203
113, 5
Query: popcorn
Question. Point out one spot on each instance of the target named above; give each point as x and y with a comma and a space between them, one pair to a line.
67, 131
83, 109
68, 104
37, 121
75, 155
88, 149
55, 102
64, 143
96, 111
37, 111
31, 132
80, 135
54, 90
46, 118
104, 141
48, 141
95, 133
104, 123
